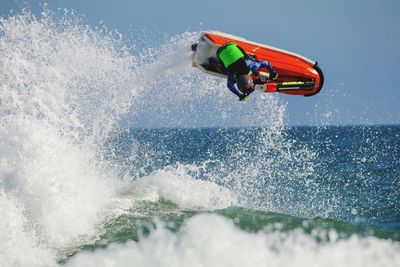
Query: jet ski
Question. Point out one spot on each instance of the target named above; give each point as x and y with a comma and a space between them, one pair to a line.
298, 75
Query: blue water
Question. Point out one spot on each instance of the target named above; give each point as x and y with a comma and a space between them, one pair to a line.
352, 175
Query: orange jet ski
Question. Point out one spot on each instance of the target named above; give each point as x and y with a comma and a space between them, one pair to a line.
297, 75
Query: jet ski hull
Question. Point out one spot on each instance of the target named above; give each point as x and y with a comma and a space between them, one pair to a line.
298, 75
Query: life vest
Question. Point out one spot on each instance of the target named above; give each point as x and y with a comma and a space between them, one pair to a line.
232, 57
229, 54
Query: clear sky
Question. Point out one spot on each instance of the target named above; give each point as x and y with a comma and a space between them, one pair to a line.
355, 42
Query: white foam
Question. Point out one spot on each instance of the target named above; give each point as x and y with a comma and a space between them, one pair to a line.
212, 240
175, 185
20, 245
52, 180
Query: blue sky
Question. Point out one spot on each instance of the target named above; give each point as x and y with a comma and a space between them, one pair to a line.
355, 42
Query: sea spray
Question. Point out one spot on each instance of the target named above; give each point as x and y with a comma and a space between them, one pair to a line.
63, 87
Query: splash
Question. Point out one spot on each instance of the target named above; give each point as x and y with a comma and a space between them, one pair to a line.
63, 87
175, 185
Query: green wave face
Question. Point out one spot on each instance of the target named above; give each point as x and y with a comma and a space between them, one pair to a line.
285, 239
142, 220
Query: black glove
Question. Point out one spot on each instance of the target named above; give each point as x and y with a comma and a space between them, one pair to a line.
273, 75
253, 57
243, 97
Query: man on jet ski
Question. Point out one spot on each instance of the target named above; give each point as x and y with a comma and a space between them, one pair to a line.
239, 67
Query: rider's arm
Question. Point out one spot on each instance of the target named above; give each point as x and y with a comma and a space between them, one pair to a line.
256, 65
232, 86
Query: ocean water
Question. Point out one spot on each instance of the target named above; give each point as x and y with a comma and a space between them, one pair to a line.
115, 152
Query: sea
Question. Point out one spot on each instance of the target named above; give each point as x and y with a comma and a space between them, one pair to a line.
114, 151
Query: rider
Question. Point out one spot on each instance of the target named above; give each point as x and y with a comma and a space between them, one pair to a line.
239, 67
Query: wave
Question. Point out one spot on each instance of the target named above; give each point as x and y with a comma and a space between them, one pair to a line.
181, 189
188, 218
213, 240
